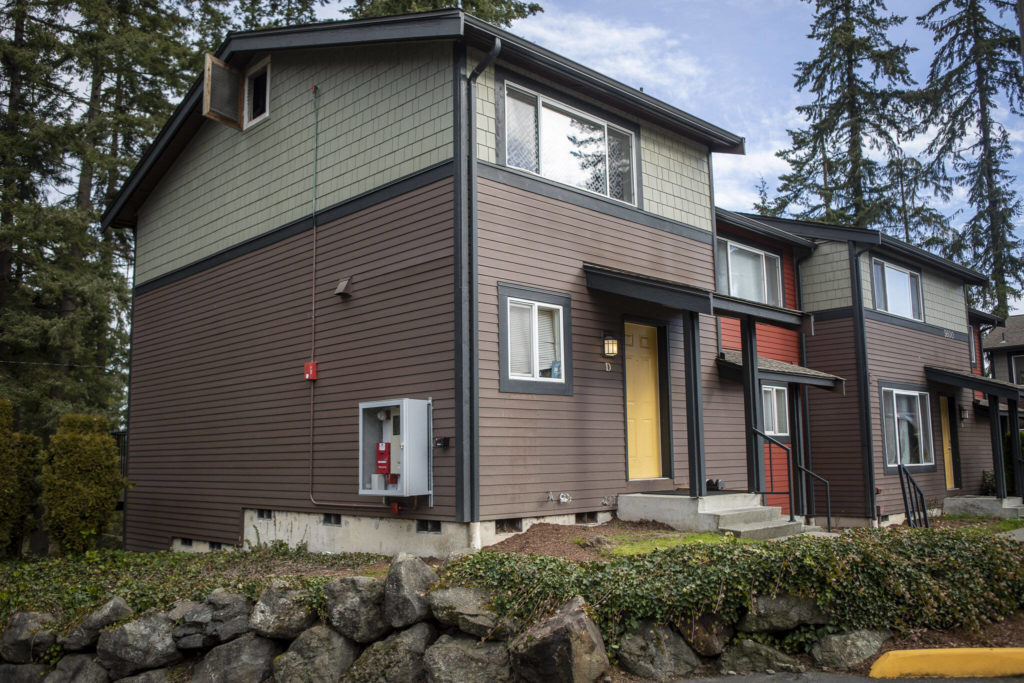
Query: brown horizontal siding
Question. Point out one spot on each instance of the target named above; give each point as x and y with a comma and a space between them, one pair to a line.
219, 407
834, 419
724, 426
531, 445
898, 354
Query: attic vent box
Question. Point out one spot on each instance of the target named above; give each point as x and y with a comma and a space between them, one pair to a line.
395, 455
235, 98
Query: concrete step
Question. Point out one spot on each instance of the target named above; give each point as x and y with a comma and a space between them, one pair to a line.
747, 515
763, 531
727, 501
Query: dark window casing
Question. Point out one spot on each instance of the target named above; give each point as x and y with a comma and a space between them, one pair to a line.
525, 386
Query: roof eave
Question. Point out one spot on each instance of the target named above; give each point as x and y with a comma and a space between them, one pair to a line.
761, 228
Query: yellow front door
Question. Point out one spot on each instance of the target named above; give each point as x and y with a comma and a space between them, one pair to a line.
643, 409
947, 442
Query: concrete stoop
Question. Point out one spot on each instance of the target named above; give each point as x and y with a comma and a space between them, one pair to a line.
984, 506
739, 513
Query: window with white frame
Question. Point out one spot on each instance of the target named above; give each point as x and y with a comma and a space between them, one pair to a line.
776, 411
559, 143
257, 92
906, 418
534, 341
896, 290
972, 348
748, 273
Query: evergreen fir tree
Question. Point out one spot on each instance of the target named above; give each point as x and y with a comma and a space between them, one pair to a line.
909, 213
976, 61
498, 12
859, 80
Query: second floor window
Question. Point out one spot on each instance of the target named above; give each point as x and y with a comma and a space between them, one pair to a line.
748, 273
559, 143
896, 290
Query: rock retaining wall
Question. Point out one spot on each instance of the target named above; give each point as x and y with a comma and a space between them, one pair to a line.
392, 631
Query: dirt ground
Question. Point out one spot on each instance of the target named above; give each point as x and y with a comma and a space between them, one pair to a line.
571, 543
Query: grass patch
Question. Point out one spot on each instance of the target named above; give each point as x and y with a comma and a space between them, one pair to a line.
70, 586
629, 544
1001, 525
991, 525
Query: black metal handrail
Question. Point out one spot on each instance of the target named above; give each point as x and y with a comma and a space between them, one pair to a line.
913, 499
828, 493
771, 472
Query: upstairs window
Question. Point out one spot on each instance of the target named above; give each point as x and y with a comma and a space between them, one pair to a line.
748, 273
896, 290
776, 411
907, 428
234, 97
971, 345
257, 92
564, 145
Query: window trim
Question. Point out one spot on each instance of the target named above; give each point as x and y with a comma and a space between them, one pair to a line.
535, 341
508, 383
249, 73
561, 105
923, 394
729, 242
1013, 366
904, 269
774, 389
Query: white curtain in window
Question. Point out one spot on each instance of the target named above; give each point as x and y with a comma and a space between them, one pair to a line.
520, 339
548, 342
746, 274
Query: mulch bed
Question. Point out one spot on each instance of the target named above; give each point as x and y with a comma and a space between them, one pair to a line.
561, 540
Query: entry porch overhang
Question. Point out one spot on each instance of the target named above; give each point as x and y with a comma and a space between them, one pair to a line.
730, 365
995, 390
762, 313
645, 288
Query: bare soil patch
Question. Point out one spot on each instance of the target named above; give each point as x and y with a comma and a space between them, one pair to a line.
569, 541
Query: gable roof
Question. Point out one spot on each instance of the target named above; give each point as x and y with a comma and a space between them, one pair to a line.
1011, 336
437, 25
886, 244
758, 227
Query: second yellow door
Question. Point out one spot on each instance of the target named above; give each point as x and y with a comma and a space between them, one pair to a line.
643, 408
947, 442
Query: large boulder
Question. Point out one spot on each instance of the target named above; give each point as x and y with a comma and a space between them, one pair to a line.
318, 655
223, 616
460, 658
355, 608
26, 637
467, 610
22, 673
709, 634
405, 591
845, 650
655, 651
151, 676
396, 659
781, 613
86, 632
282, 612
564, 647
144, 643
77, 669
747, 656
248, 659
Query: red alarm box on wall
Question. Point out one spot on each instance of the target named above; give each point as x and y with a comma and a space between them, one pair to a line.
383, 457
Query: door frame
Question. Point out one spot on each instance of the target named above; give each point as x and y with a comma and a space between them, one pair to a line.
953, 406
664, 395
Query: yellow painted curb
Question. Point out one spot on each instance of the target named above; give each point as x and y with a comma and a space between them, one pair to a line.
970, 662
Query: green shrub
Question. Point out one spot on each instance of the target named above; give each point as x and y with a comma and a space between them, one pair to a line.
894, 578
81, 482
27, 450
8, 470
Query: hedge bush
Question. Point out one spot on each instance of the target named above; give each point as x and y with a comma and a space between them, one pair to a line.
8, 469
81, 482
894, 578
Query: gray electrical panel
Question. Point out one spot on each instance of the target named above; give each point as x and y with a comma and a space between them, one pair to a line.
395, 449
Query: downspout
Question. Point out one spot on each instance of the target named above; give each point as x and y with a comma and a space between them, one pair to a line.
474, 328
808, 494
863, 379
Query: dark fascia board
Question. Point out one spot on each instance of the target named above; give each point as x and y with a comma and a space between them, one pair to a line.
985, 318
757, 227
436, 25
974, 382
784, 317
1004, 348
886, 244
635, 286
515, 49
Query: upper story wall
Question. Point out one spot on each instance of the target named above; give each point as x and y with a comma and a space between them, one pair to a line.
385, 112
943, 297
825, 278
674, 179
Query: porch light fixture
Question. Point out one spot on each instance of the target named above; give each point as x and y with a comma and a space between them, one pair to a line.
611, 345
963, 413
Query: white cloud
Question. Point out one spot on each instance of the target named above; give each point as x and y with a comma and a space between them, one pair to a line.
640, 55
